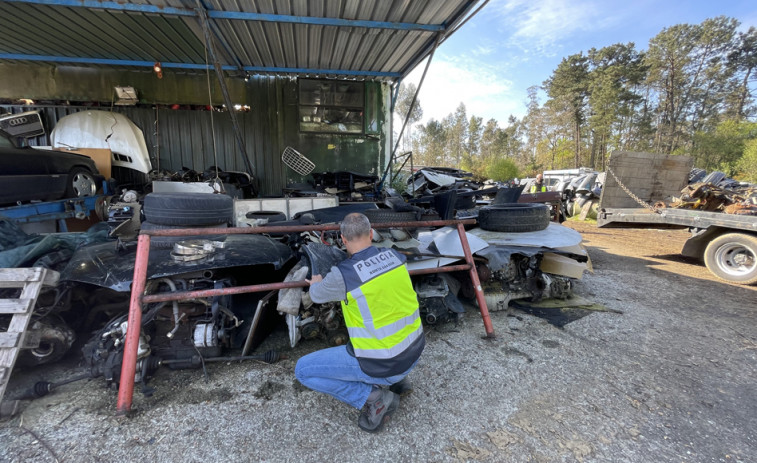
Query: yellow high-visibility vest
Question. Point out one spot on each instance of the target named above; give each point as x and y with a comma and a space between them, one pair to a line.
381, 310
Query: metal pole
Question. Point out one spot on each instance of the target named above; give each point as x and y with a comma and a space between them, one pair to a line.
129, 365
203, 17
412, 104
476, 282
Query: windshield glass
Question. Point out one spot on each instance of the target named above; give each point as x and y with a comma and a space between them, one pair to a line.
5, 142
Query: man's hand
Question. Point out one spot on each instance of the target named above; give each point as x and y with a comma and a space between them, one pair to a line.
314, 279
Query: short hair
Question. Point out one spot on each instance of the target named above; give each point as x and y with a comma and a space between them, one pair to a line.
355, 225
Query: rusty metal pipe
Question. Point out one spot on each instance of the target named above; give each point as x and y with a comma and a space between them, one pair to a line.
129, 365
163, 297
476, 283
445, 269
182, 295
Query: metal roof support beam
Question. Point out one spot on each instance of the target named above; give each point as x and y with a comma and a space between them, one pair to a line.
235, 15
224, 43
438, 40
105, 62
339, 72
224, 90
190, 66
451, 27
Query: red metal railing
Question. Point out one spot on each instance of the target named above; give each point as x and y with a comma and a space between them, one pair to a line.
128, 368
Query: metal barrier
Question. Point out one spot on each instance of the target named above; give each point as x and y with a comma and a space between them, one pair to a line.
129, 365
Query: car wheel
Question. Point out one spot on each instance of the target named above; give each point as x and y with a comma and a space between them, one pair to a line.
515, 217
165, 242
55, 339
80, 183
733, 257
188, 209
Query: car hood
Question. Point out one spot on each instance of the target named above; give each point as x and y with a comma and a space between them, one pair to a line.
104, 129
108, 266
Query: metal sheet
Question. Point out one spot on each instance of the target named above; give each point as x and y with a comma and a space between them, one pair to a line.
350, 39
554, 236
447, 242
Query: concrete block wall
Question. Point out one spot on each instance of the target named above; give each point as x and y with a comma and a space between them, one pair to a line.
652, 177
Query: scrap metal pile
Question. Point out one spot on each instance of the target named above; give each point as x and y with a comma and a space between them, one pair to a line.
716, 193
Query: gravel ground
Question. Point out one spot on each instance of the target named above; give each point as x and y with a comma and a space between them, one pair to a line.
670, 379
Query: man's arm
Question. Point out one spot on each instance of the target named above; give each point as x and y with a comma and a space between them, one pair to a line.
328, 289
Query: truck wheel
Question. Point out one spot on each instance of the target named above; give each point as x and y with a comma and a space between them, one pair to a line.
733, 257
514, 217
188, 209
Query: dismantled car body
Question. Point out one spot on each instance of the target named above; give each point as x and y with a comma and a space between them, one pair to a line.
93, 295
180, 334
510, 265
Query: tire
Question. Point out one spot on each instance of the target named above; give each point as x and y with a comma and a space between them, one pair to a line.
271, 216
386, 216
733, 257
514, 217
164, 242
81, 182
56, 339
188, 209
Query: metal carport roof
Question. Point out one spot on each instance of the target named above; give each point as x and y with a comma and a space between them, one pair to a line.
355, 39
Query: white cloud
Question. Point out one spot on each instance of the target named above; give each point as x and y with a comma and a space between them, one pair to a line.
480, 86
540, 26
483, 50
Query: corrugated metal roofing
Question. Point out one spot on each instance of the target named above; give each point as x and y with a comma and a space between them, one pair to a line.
365, 39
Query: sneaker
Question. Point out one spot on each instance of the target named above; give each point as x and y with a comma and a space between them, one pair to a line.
376, 413
403, 387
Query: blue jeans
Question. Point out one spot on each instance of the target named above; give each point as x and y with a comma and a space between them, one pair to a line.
335, 372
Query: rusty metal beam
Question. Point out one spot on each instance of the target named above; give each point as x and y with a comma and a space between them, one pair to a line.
129, 365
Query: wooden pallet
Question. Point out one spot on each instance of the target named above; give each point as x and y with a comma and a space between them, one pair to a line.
31, 281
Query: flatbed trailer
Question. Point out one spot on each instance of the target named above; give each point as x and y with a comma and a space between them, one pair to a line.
727, 243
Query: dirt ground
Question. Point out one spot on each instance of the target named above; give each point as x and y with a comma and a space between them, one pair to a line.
666, 375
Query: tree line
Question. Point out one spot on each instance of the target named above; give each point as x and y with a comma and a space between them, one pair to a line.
690, 92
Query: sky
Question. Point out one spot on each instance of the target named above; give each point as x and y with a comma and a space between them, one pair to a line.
511, 45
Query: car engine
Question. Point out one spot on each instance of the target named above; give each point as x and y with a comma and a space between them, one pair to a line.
178, 334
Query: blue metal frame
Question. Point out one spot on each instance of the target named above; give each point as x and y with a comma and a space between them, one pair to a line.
107, 62
149, 64
321, 71
51, 210
235, 15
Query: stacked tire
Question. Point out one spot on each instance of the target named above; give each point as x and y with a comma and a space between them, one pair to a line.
186, 210
514, 217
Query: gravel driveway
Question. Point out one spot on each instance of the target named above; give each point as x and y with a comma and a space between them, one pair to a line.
669, 379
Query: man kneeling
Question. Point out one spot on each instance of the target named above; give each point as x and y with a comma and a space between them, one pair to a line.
380, 310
